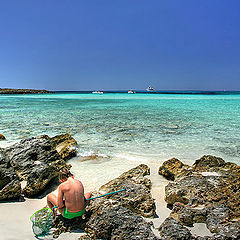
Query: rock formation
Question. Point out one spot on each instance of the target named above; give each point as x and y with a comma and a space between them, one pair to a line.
10, 187
208, 192
37, 160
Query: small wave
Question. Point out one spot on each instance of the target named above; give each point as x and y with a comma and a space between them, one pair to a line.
91, 155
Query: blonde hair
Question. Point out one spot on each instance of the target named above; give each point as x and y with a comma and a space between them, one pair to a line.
64, 174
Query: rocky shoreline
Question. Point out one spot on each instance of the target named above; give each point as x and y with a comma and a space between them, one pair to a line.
23, 91
207, 192
37, 161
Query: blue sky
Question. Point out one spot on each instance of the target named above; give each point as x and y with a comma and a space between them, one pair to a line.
118, 45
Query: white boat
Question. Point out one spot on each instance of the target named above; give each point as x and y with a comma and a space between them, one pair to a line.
131, 92
97, 92
149, 89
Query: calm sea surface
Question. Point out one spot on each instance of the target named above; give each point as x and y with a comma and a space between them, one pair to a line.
129, 129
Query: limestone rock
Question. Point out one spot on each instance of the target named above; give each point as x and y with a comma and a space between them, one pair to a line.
188, 215
208, 192
10, 187
137, 196
37, 161
170, 168
188, 189
207, 162
109, 222
41, 176
118, 223
171, 229
65, 145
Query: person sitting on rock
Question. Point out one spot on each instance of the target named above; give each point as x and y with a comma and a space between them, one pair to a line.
71, 200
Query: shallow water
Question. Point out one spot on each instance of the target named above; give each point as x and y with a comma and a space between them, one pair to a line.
122, 131
136, 127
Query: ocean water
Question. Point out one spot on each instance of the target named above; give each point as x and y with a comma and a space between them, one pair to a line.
123, 130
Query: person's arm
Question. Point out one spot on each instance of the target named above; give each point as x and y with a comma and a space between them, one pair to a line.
60, 197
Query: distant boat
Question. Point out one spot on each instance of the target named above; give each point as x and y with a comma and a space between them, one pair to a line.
149, 89
97, 92
131, 92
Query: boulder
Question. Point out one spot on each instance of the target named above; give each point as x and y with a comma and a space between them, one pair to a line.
208, 192
188, 189
65, 145
171, 229
188, 215
37, 160
41, 176
117, 222
137, 194
170, 168
208, 162
10, 187
2, 137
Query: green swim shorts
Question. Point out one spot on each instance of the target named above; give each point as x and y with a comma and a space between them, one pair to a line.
70, 215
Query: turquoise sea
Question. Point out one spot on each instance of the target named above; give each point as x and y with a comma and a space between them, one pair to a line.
132, 126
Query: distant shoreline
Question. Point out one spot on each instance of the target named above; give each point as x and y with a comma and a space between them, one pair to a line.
23, 91
161, 92
180, 92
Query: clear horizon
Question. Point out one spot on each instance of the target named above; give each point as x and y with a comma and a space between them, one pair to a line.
84, 46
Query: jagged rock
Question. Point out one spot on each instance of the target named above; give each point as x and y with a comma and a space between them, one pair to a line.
188, 215
171, 229
41, 176
207, 162
215, 186
30, 153
218, 221
65, 145
118, 222
63, 225
37, 161
137, 196
10, 187
188, 189
170, 168
2, 137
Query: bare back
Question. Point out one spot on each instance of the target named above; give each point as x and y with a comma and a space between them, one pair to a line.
71, 195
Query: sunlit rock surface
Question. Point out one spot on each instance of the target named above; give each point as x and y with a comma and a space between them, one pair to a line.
208, 192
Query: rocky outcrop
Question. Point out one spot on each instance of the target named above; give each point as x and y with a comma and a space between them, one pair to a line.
170, 168
208, 192
10, 187
2, 137
65, 145
171, 229
137, 196
117, 222
37, 161
118, 216
22, 91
